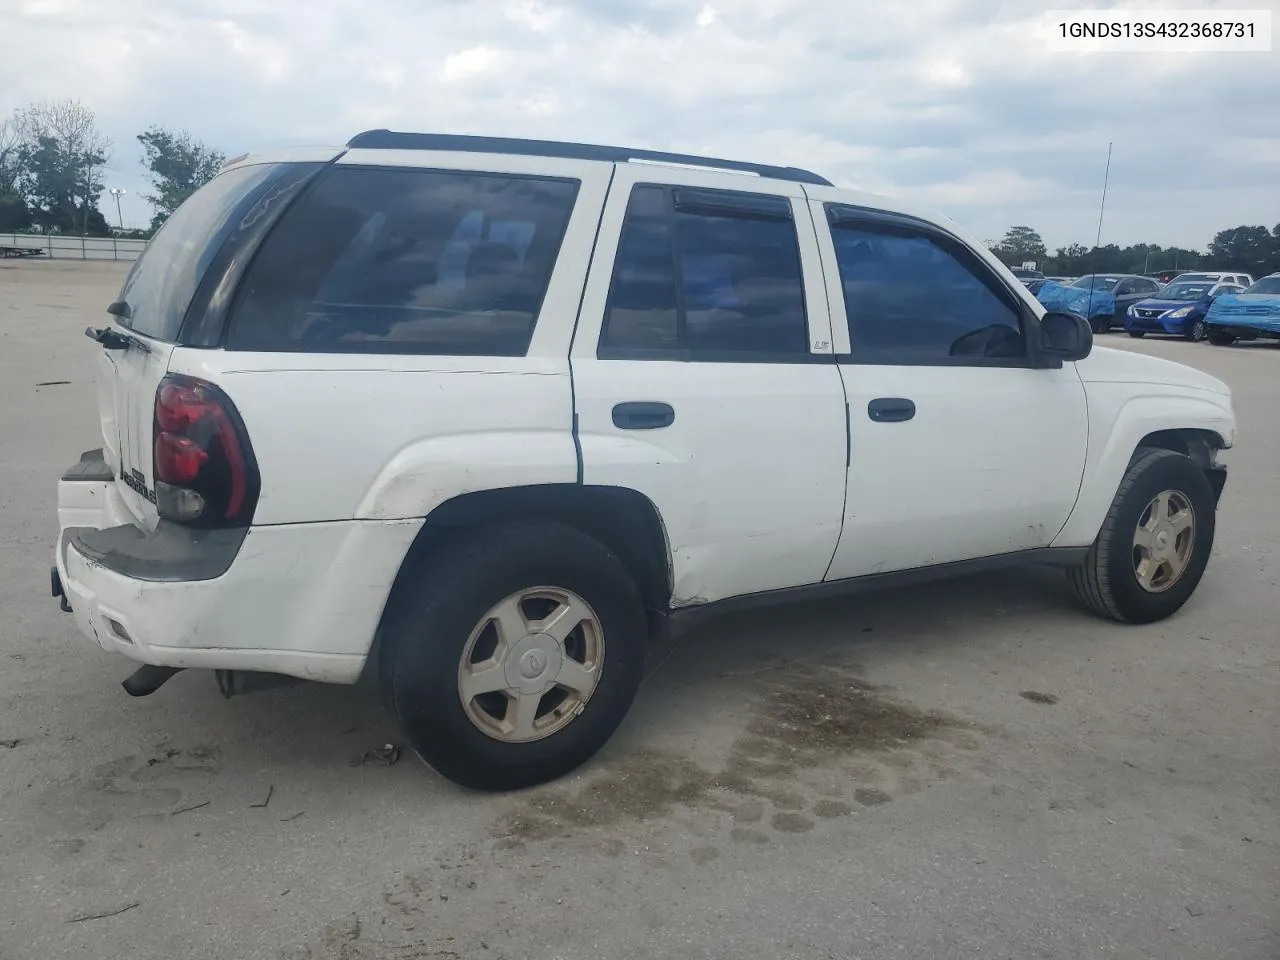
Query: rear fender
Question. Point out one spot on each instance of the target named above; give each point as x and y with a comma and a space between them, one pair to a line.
426, 473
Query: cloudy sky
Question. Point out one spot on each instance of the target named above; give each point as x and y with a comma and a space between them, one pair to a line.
957, 104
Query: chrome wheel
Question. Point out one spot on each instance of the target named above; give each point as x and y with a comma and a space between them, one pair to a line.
1198, 330
1163, 541
531, 664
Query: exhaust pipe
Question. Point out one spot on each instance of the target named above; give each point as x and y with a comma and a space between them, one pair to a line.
235, 682
147, 679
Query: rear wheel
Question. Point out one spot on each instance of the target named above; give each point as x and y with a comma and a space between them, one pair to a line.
1220, 338
1196, 329
516, 656
1154, 543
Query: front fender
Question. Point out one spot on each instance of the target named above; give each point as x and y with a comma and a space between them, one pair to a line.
1119, 419
428, 472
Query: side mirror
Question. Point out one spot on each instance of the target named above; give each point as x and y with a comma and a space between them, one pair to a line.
1065, 336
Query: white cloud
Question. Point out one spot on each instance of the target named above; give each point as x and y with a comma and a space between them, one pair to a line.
953, 103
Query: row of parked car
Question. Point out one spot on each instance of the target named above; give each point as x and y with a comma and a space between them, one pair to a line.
1221, 307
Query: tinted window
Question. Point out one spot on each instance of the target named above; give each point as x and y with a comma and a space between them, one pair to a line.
159, 287
642, 311
406, 261
716, 276
911, 298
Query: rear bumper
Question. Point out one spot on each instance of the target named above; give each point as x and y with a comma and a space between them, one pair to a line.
297, 599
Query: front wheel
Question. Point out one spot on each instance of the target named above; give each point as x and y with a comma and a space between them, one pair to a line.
1220, 338
1154, 543
1139, 334
1197, 329
514, 655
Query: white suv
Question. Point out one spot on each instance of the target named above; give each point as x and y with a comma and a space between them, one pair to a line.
480, 415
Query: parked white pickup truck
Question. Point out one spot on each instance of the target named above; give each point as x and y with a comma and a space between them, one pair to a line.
478, 416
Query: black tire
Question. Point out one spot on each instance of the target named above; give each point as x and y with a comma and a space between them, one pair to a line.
1139, 334
1195, 331
1105, 580
451, 590
1220, 339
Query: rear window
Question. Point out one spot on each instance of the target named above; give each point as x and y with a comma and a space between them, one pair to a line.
377, 260
159, 288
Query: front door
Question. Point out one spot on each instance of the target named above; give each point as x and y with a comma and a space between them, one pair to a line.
703, 377
960, 448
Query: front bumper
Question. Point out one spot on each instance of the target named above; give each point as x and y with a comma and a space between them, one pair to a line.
1155, 325
297, 599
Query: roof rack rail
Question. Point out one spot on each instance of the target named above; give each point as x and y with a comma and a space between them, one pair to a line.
393, 140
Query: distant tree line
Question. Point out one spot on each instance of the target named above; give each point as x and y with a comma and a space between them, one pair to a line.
1254, 250
53, 163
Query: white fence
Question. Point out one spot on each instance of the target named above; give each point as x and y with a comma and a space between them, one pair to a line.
57, 247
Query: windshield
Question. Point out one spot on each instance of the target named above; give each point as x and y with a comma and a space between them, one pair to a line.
1183, 290
161, 284
1097, 283
1268, 285
1202, 277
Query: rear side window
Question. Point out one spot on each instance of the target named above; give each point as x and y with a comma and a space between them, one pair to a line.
707, 275
377, 260
160, 286
916, 298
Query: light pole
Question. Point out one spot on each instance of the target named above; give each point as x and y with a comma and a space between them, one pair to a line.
118, 192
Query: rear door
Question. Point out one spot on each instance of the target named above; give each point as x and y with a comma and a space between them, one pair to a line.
149, 313
703, 377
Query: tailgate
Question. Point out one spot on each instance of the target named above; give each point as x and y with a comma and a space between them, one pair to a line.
127, 383
147, 319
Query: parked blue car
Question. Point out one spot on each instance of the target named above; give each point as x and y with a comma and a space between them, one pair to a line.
1097, 306
1246, 316
1178, 309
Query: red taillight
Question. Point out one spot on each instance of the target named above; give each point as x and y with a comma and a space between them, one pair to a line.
178, 458
204, 469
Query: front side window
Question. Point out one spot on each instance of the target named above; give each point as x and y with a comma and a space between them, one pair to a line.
378, 260
913, 297
712, 275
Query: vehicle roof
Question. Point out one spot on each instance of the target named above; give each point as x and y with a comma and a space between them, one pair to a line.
394, 140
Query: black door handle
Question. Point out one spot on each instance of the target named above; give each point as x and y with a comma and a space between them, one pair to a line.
891, 409
640, 415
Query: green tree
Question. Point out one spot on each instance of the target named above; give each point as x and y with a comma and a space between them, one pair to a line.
179, 166
1020, 245
14, 214
61, 158
1245, 248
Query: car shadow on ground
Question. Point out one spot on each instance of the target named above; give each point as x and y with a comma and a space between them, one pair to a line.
305, 729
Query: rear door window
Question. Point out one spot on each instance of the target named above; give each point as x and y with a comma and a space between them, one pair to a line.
160, 286
377, 260
706, 275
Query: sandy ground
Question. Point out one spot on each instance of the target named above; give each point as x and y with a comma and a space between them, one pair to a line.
940, 814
